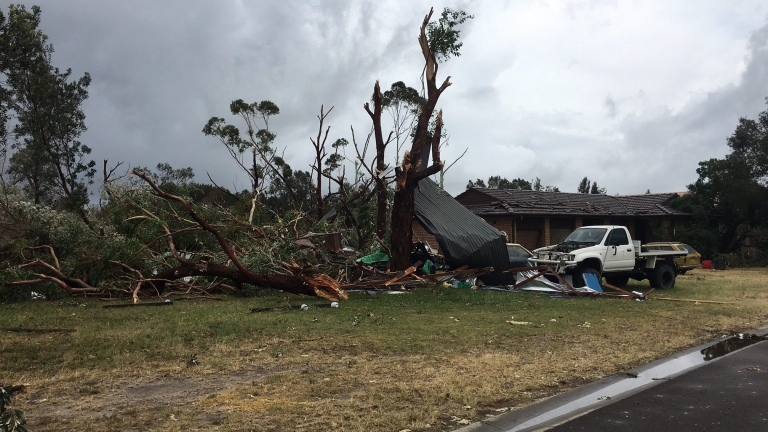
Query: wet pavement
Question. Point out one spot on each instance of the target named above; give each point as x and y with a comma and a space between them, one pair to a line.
715, 387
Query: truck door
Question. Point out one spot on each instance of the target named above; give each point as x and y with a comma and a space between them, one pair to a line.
620, 254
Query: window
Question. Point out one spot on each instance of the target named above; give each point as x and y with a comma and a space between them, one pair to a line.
586, 235
517, 252
617, 237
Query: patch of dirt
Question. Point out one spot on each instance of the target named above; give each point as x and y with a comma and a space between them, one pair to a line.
43, 408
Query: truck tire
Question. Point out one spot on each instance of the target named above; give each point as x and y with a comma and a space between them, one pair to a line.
578, 276
663, 277
617, 281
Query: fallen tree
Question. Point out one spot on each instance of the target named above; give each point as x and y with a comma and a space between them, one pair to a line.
299, 280
133, 264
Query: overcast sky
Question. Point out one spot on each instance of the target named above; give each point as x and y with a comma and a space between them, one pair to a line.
632, 94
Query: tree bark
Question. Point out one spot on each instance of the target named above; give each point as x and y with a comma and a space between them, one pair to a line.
381, 146
317, 284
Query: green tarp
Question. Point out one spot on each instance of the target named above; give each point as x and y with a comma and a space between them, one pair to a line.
374, 258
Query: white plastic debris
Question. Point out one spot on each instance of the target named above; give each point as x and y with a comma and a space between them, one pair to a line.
335, 304
37, 295
304, 307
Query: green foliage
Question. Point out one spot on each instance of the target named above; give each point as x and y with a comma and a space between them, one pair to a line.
584, 188
443, 35
400, 94
729, 200
258, 139
46, 104
498, 182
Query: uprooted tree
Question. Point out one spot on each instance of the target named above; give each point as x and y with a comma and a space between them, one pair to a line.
443, 42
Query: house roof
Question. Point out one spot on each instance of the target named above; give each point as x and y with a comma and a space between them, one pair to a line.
489, 202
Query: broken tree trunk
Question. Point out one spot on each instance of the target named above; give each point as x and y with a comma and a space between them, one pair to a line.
411, 172
381, 146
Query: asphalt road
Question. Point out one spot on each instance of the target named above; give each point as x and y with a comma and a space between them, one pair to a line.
730, 394
719, 386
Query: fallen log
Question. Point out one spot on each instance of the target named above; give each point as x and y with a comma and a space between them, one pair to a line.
37, 330
125, 305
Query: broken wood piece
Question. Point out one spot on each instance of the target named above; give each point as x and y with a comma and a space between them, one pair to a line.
691, 300
124, 305
562, 281
623, 291
523, 282
405, 273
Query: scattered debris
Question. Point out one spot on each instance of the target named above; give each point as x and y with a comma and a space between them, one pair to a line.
519, 322
192, 361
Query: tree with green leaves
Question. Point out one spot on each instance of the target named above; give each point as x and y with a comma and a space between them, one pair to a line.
583, 187
403, 104
265, 166
596, 190
479, 183
499, 182
49, 159
729, 200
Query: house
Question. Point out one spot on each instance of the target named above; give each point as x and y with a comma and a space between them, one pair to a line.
536, 219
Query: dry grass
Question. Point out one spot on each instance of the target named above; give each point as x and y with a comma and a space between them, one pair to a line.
424, 361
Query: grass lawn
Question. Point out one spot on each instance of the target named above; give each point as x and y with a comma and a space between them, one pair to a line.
433, 359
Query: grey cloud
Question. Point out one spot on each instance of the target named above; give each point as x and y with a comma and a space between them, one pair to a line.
665, 148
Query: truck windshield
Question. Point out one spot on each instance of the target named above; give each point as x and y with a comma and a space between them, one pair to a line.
586, 235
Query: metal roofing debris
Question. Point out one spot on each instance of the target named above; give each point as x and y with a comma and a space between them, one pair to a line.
464, 238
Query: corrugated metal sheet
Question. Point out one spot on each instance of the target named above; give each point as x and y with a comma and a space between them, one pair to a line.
464, 238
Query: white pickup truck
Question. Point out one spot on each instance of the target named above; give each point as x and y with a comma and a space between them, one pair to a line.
609, 251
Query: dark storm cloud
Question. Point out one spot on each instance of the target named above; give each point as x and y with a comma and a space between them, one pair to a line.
529, 94
162, 69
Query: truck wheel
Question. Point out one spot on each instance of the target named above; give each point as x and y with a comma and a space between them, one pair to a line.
578, 276
663, 277
617, 281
